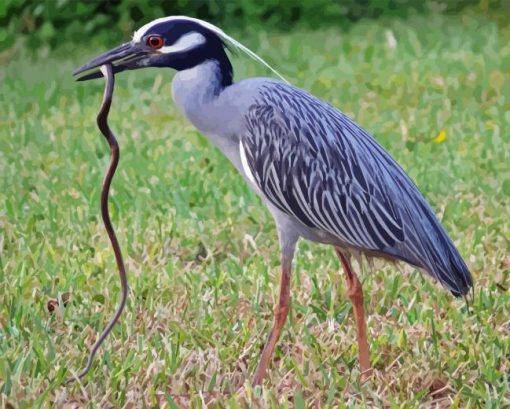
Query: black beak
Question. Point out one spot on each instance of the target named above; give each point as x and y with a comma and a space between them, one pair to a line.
127, 56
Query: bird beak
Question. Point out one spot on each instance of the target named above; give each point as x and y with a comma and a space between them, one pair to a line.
128, 56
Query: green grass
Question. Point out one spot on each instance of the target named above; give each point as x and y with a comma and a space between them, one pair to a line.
201, 250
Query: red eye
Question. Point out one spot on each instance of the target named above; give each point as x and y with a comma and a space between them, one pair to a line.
155, 42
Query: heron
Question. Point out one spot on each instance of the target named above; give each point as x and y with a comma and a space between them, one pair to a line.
321, 175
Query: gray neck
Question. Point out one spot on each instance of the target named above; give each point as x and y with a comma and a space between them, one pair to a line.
198, 93
196, 88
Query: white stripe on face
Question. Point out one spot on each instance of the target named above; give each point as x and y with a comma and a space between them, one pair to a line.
185, 43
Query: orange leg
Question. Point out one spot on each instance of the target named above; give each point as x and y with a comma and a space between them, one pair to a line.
280, 315
355, 293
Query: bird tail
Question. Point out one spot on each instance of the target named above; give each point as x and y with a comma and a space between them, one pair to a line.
455, 272
441, 259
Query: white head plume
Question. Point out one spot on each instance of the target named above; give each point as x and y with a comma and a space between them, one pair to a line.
137, 36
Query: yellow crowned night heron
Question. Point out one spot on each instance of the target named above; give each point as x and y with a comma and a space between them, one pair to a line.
320, 174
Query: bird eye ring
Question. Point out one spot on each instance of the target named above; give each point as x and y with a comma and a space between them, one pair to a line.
155, 42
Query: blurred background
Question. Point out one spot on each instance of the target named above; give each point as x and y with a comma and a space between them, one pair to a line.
429, 79
55, 21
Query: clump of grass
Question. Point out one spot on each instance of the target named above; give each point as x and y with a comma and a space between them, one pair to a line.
201, 251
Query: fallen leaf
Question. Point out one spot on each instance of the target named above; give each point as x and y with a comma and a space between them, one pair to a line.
437, 386
53, 304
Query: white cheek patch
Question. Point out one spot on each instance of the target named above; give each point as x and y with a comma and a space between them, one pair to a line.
185, 43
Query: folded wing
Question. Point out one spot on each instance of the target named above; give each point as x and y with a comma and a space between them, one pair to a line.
314, 163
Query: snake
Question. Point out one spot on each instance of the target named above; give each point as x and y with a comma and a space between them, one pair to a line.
102, 123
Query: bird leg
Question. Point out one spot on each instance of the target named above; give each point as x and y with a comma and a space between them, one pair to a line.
355, 293
280, 315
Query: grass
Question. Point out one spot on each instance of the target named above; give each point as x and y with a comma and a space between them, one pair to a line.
201, 250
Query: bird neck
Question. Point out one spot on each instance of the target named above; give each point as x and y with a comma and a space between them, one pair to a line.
194, 88
225, 73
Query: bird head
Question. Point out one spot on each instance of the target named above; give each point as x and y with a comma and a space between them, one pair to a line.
175, 42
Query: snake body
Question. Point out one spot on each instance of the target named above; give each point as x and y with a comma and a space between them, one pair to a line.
102, 123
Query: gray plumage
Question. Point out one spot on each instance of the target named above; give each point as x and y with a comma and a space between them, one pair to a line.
316, 164
315, 167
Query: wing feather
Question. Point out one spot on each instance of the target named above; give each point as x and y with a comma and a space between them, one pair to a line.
300, 175
314, 163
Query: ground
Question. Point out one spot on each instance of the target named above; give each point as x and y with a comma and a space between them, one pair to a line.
201, 249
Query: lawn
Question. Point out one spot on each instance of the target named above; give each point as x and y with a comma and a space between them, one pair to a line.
201, 249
